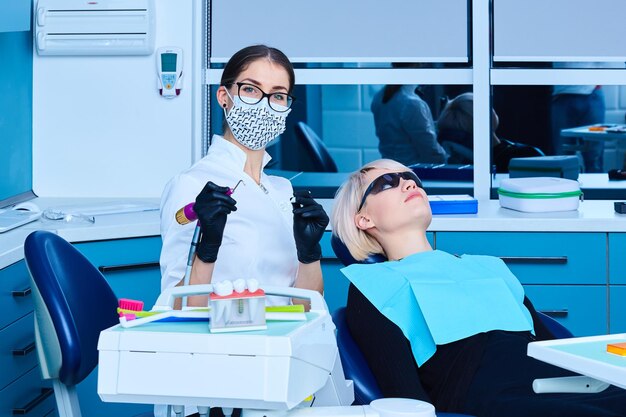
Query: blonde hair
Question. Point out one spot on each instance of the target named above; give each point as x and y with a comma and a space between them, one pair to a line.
347, 200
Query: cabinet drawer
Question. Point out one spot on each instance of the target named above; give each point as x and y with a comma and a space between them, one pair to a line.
17, 349
617, 261
537, 258
122, 254
15, 293
29, 396
130, 266
617, 308
582, 309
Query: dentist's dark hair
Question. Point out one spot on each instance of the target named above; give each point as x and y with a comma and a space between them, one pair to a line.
244, 57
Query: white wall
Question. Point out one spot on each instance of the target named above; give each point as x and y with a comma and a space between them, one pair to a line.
100, 128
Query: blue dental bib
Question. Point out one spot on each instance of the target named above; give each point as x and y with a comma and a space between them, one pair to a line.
437, 298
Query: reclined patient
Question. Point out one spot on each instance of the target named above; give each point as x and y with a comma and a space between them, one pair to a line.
450, 330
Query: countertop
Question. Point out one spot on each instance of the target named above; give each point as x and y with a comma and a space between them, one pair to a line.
109, 226
592, 216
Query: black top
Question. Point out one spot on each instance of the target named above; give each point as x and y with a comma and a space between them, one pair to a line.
443, 380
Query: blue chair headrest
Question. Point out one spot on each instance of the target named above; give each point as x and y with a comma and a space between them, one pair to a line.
321, 159
77, 297
342, 252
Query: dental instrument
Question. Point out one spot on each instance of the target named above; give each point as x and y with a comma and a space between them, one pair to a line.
184, 216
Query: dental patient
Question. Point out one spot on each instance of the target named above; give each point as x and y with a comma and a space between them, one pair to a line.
450, 330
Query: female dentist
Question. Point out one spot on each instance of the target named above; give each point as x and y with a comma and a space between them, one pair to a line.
263, 230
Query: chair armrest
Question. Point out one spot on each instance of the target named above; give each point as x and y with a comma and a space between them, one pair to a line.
579, 384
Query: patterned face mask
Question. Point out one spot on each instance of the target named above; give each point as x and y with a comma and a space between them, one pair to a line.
255, 125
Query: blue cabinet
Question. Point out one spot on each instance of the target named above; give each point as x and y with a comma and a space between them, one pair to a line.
617, 308
617, 281
582, 309
131, 266
27, 395
21, 386
537, 258
617, 260
565, 274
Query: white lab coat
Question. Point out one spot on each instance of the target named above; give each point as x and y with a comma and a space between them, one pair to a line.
258, 239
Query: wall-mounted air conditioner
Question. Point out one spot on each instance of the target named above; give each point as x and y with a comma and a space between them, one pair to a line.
94, 27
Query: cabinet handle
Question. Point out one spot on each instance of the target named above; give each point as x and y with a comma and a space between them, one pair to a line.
128, 267
45, 393
555, 313
22, 293
25, 350
534, 259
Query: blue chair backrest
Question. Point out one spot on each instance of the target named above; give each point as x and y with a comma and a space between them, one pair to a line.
320, 157
557, 329
77, 302
355, 367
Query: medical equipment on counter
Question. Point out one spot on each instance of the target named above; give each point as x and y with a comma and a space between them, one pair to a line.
539, 194
54, 214
170, 70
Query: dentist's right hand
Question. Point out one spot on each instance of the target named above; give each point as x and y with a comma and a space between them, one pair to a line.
212, 206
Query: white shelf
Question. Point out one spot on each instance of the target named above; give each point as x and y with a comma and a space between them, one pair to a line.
558, 76
329, 76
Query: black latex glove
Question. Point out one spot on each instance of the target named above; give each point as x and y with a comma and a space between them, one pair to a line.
309, 222
212, 206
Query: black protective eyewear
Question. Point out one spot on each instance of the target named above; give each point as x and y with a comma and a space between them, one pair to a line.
388, 181
251, 94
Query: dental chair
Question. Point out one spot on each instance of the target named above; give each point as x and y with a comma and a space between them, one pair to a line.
315, 148
355, 366
73, 303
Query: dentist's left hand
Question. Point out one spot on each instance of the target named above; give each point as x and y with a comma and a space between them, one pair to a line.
309, 223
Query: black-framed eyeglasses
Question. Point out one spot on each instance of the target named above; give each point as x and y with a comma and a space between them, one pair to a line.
251, 94
388, 181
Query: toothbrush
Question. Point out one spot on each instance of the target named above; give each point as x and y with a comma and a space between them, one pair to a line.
201, 314
132, 307
149, 319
